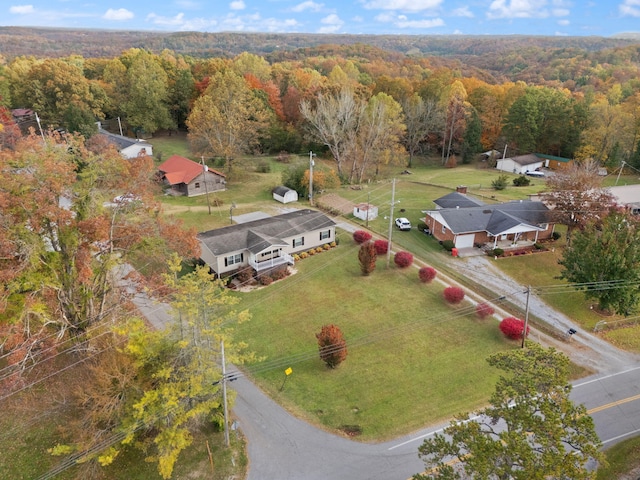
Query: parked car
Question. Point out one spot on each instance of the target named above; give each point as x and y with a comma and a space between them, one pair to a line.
403, 224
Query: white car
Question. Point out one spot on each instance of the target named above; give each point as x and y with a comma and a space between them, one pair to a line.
403, 224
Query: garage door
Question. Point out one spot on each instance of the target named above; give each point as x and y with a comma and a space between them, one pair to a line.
465, 241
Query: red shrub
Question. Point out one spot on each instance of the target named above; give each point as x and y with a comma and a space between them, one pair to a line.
512, 327
332, 345
427, 274
403, 259
484, 310
361, 236
381, 246
453, 295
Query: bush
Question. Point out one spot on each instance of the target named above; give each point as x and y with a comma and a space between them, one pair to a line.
280, 273
265, 280
448, 245
521, 181
304, 255
326, 246
512, 327
427, 274
333, 244
295, 257
332, 345
484, 310
263, 167
381, 246
497, 252
319, 249
500, 183
403, 259
367, 257
361, 236
245, 275
312, 251
556, 235
453, 295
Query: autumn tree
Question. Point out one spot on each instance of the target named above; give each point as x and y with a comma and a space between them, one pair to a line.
150, 389
531, 426
422, 118
456, 120
331, 345
227, 120
367, 257
576, 196
603, 260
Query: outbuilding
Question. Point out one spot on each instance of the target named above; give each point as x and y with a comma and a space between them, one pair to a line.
285, 194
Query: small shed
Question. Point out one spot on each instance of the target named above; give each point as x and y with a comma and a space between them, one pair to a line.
285, 194
365, 211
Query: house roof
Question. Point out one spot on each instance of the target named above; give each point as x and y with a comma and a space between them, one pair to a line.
457, 200
628, 195
525, 160
497, 218
265, 232
552, 157
120, 141
177, 169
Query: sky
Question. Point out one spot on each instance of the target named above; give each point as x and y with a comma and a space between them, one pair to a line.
603, 18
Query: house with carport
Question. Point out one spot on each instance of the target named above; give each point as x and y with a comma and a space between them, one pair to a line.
532, 162
470, 223
265, 244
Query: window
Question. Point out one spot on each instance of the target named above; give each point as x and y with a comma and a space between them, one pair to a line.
197, 185
233, 259
298, 242
326, 234
444, 229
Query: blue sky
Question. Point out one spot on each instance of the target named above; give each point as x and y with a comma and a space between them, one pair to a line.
413, 17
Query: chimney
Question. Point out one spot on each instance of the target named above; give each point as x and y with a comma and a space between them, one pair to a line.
461, 189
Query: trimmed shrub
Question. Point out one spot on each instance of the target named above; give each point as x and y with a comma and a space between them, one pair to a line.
333, 244
427, 274
556, 235
295, 257
326, 246
484, 310
312, 251
497, 252
403, 259
381, 246
280, 273
319, 249
245, 275
332, 345
521, 181
512, 327
453, 295
265, 280
361, 236
448, 245
304, 255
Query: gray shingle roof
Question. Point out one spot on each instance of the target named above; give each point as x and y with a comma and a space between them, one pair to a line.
260, 234
457, 200
495, 219
121, 142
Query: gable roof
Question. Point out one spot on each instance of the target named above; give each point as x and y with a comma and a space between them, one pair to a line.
265, 232
495, 219
457, 200
282, 190
177, 169
527, 159
120, 141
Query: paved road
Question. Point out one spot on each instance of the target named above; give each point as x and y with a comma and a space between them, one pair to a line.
281, 447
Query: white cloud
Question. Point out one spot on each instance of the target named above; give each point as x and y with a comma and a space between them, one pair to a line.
237, 5
436, 22
188, 4
178, 20
518, 9
560, 12
308, 5
630, 8
331, 24
564, 23
120, 14
22, 9
463, 12
404, 5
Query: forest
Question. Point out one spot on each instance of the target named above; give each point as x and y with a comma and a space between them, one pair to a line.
398, 96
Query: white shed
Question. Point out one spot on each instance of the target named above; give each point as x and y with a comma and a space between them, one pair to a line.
365, 211
285, 194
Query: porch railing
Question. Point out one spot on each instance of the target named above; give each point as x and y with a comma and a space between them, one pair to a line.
284, 258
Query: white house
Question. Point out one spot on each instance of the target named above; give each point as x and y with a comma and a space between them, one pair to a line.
128, 147
520, 164
285, 194
365, 211
266, 243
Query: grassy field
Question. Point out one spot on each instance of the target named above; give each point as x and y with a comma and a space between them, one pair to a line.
413, 360
622, 458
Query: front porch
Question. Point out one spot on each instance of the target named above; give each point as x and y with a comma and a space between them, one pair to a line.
269, 263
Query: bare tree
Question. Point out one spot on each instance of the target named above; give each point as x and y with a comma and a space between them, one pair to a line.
421, 117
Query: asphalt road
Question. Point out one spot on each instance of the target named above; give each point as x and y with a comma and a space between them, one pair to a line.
282, 447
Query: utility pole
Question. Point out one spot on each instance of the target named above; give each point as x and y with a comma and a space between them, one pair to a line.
393, 202
311, 155
224, 396
39, 126
620, 172
526, 316
119, 125
204, 179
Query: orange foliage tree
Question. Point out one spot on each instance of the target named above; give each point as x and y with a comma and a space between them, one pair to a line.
332, 345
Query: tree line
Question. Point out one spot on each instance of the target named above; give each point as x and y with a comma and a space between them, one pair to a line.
393, 106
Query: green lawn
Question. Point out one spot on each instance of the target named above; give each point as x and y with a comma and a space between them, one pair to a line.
622, 458
413, 360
